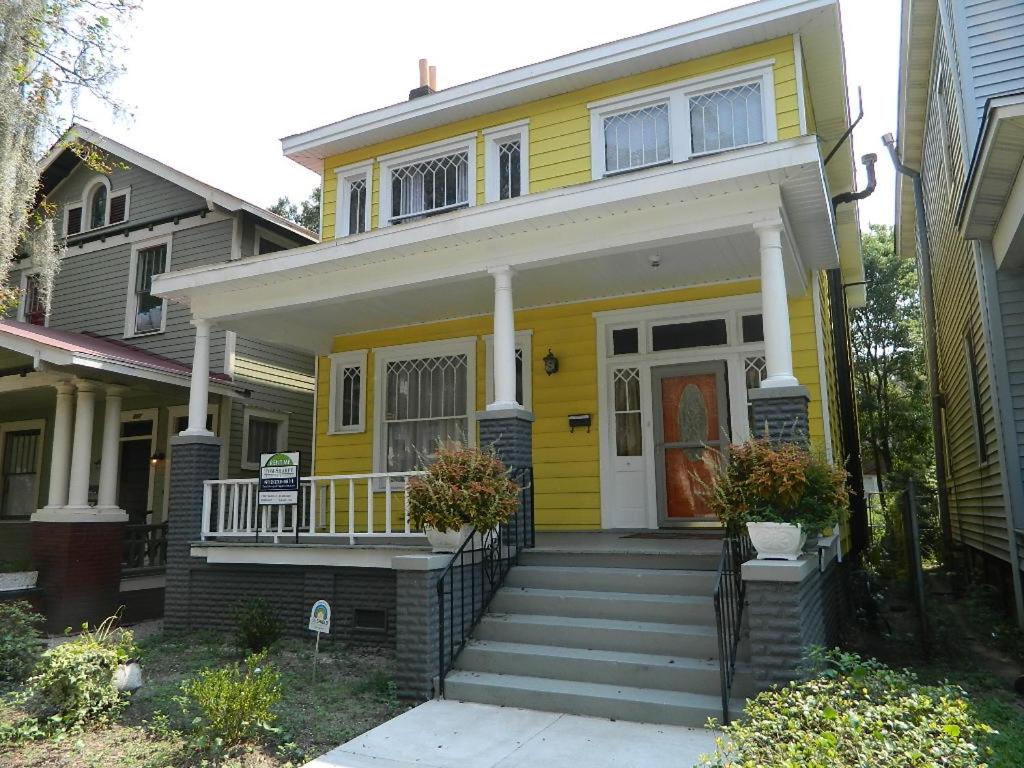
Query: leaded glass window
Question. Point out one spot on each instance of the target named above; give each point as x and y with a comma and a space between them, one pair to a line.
727, 118
347, 392
628, 434
636, 139
425, 406
431, 186
357, 206
509, 177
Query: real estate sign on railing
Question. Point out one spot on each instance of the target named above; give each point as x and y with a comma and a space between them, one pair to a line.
279, 478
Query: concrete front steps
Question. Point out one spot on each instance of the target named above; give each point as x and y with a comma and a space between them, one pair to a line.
622, 635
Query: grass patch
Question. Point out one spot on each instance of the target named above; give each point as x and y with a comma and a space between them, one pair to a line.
353, 692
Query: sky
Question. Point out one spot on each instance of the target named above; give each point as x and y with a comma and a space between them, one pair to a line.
213, 85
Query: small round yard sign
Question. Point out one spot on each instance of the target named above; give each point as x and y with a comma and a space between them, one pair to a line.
320, 617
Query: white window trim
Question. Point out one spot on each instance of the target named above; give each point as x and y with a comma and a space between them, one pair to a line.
131, 305
388, 163
340, 360
345, 176
273, 237
677, 95
23, 286
282, 432
17, 426
384, 355
492, 138
524, 342
87, 191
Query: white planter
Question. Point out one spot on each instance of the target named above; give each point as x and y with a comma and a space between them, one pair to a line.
449, 541
127, 677
18, 580
777, 541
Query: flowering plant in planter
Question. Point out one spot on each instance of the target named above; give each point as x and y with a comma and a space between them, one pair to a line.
463, 488
763, 482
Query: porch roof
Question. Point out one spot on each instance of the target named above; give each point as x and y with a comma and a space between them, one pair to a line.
51, 347
568, 244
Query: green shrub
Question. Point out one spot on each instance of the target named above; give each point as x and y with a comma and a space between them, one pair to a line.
232, 705
257, 627
20, 641
854, 713
72, 685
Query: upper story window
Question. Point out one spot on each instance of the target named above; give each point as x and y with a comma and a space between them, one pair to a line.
673, 123
31, 309
100, 206
355, 195
506, 161
429, 181
147, 313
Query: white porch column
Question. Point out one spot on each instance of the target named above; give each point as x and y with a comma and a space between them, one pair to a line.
504, 342
778, 344
81, 454
60, 453
109, 457
199, 390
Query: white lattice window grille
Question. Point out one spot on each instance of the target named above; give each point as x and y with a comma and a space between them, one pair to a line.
429, 187
524, 368
628, 414
637, 138
355, 195
426, 406
146, 312
348, 392
726, 118
506, 161
755, 370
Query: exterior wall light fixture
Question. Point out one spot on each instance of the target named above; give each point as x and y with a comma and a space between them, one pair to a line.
550, 363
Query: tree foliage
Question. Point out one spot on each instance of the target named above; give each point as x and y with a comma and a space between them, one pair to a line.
889, 369
305, 214
51, 53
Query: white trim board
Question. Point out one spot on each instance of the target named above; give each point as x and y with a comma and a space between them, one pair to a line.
131, 300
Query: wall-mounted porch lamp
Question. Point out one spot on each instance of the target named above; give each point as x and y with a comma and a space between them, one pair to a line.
550, 363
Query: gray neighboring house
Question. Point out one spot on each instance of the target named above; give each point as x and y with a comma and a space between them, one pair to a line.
961, 124
91, 393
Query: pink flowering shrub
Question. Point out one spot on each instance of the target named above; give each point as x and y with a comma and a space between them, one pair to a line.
464, 486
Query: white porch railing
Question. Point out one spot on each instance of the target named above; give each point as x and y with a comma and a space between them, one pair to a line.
352, 506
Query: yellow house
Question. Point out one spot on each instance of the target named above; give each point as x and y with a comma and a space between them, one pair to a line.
606, 265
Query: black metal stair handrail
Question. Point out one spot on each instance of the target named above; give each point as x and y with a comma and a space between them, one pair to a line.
729, 596
476, 571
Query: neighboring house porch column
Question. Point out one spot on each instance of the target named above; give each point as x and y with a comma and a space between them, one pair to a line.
81, 455
109, 457
780, 407
504, 342
199, 390
60, 454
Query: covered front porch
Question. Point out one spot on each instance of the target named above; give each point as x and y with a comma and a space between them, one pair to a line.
574, 319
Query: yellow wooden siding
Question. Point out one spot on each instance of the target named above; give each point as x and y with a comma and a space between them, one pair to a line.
566, 465
977, 508
560, 126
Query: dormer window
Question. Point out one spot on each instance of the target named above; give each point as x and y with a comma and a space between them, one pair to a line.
355, 191
100, 207
428, 181
683, 120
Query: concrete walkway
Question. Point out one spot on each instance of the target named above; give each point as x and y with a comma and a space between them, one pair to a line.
453, 734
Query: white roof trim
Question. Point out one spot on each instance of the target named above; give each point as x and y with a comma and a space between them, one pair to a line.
212, 195
737, 26
992, 178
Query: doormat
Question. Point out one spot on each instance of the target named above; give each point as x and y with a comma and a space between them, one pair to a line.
708, 533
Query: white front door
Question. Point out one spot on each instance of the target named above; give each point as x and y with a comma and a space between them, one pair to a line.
629, 505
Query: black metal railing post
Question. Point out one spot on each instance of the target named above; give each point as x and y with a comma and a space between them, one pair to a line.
729, 596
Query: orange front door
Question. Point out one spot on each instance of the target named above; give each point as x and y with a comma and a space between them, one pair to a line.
691, 419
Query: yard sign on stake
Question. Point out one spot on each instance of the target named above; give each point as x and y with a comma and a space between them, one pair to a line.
279, 479
319, 622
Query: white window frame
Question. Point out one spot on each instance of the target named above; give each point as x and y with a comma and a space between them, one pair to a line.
23, 287
18, 426
388, 163
677, 95
384, 355
524, 343
87, 191
131, 305
345, 177
493, 137
273, 237
339, 361
260, 413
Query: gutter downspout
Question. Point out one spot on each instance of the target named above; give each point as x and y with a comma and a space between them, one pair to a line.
931, 347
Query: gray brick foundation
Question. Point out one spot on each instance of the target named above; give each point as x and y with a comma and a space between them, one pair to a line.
417, 635
510, 434
791, 606
780, 414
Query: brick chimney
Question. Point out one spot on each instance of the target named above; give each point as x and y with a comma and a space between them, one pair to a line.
428, 81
